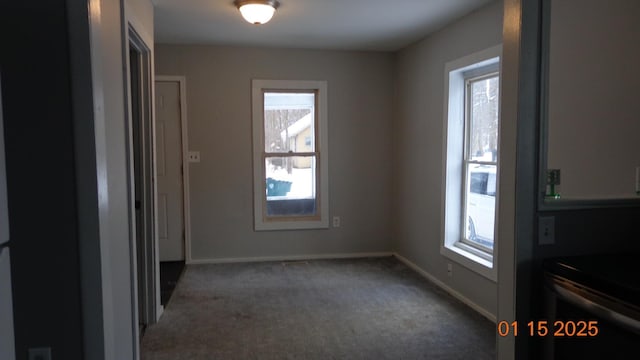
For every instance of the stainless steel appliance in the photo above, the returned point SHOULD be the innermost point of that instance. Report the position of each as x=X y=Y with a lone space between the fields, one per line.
x=600 y=293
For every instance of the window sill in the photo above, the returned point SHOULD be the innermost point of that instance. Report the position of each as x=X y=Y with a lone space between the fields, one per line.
x=291 y=224
x=463 y=255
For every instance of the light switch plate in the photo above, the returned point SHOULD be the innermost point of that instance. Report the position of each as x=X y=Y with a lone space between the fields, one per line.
x=546 y=230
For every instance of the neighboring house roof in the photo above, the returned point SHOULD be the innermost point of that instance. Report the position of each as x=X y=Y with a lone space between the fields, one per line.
x=297 y=127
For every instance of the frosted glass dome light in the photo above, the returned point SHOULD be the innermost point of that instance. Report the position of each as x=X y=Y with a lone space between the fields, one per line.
x=257 y=12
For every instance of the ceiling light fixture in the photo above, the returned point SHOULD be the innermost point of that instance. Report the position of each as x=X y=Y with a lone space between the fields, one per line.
x=257 y=12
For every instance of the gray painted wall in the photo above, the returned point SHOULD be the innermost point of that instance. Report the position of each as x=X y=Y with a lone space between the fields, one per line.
x=593 y=102
x=110 y=142
x=510 y=83
x=111 y=173
x=418 y=148
x=360 y=87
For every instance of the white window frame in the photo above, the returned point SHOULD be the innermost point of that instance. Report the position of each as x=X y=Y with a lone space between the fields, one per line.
x=453 y=246
x=261 y=221
x=470 y=77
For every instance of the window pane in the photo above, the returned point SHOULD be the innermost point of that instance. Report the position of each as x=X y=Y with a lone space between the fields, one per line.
x=480 y=204
x=483 y=119
x=290 y=185
x=289 y=122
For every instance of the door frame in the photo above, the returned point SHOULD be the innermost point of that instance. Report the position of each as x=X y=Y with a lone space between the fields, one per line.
x=8 y=340
x=150 y=276
x=184 y=151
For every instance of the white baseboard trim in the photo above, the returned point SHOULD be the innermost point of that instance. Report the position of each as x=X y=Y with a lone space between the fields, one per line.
x=446 y=288
x=290 y=258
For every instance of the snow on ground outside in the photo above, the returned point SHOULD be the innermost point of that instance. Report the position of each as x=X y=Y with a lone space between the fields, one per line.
x=301 y=179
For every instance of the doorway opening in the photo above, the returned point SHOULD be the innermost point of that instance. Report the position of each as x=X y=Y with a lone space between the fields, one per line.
x=172 y=181
x=140 y=157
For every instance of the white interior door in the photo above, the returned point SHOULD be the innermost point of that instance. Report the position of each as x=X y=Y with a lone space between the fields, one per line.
x=7 y=344
x=169 y=170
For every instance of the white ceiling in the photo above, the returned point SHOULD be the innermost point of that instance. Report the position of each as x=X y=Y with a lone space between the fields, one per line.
x=381 y=25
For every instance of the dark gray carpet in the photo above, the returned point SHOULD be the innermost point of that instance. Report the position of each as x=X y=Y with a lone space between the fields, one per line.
x=328 y=309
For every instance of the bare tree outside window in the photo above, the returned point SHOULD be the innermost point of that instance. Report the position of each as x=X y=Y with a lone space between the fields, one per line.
x=481 y=160
x=484 y=122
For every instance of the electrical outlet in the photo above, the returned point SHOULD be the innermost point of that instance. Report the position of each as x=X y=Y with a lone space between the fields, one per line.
x=449 y=269
x=40 y=353
x=336 y=221
x=546 y=230
x=194 y=156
